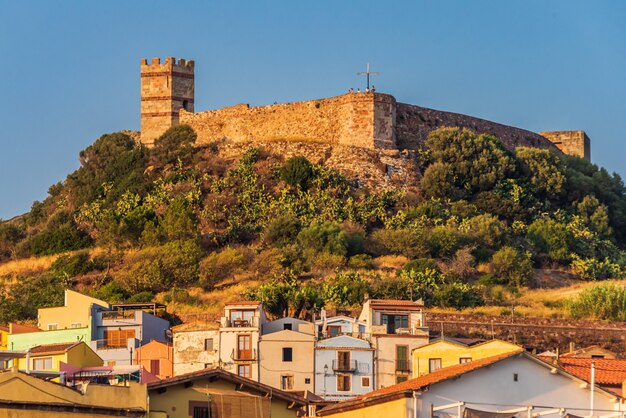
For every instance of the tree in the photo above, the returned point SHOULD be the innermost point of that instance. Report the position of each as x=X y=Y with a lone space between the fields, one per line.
x=512 y=266
x=550 y=237
x=544 y=169
x=175 y=143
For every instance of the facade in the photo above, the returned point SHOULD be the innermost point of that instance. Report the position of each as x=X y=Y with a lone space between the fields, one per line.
x=594 y=351
x=119 y=333
x=157 y=358
x=286 y=354
x=344 y=367
x=196 y=347
x=514 y=382
x=450 y=352
x=27 y=396
x=395 y=328
x=217 y=393
x=75 y=313
x=239 y=336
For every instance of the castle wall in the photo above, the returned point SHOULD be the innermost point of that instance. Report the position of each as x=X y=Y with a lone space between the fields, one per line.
x=414 y=123
x=571 y=142
x=359 y=119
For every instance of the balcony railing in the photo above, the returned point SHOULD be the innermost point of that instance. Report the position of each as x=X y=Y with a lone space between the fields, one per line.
x=239 y=323
x=113 y=315
x=243 y=356
x=361 y=335
x=403 y=365
x=114 y=345
x=344 y=366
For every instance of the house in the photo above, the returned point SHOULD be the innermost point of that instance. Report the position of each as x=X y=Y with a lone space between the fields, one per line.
x=609 y=373
x=344 y=367
x=395 y=328
x=239 y=335
x=286 y=354
x=118 y=332
x=51 y=358
x=196 y=346
x=328 y=327
x=157 y=358
x=593 y=351
x=218 y=393
x=446 y=352
x=514 y=383
x=27 y=396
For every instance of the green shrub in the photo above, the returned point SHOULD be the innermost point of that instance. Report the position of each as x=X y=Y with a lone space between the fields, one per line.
x=456 y=295
x=111 y=292
x=222 y=265
x=142 y=297
x=327 y=237
x=406 y=242
x=76 y=264
x=420 y=265
x=593 y=269
x=297 y=172
x=175 y=143
x=605 y=301
x=65 y=237
x=512 y=266
x=345 y=290
x=360 y=262
x=550 y=237
x=282 y=230
x=444 y=241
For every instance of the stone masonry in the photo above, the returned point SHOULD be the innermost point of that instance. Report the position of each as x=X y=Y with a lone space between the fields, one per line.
x=363 y=120
x=165 y=90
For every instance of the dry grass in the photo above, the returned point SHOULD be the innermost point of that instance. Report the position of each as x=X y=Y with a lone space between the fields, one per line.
x=26 y=266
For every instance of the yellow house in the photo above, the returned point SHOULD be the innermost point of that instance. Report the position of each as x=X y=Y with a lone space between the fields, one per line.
x=76 y=312
x=27 y=396
x=217 y=393
x=448 y=352
x=53 y=357
x=4 y=335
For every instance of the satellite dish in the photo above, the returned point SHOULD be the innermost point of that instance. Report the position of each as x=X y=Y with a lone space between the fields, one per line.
x=168 y=333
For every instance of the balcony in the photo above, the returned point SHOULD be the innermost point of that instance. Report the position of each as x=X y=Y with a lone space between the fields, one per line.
x=345 y=366
x=359 y=335
x=403 y=366
x=242 y=356
x=239 y=323
x=130 y=343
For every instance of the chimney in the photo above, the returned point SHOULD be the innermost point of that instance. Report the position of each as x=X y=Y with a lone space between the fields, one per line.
x=572 y=346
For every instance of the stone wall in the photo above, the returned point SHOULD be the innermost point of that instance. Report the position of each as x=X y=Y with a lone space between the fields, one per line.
x=533 y=333
x=571 y=142
x=359 y=119
x=414 y=123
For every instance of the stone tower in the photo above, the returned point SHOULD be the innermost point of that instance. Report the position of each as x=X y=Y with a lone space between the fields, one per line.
x=165 y=90
x=575 y=143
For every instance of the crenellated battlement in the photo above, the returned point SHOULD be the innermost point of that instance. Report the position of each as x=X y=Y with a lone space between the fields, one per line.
x=169 y=64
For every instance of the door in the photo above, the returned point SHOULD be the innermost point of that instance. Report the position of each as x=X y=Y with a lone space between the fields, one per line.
x=244 y=347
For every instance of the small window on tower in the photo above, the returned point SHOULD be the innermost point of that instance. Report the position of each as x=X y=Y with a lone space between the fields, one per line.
x=185 y=104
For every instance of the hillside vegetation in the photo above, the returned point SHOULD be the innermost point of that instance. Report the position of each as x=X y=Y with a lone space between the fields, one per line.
x=193 y=229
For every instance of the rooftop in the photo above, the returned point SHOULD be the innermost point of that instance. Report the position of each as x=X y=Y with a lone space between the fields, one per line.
x=608 y=371
x=396 y=302
x=54 y=348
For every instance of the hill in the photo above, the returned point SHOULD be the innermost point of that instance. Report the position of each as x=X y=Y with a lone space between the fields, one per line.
x=461 y=222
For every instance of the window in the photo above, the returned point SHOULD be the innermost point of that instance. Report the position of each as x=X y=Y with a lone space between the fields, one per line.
x=597 y=356
x=244 y=348
x=307 y=380
x=111 y=363
x=43 y=363
x=394 y=322
x=52 y=327
x=118 y=338
x=76 y=325
x=200 y=412
x=434 y=364
x=343 y=383
x=343 y=361
x=244 y=370
x=208 y=344
x=155 y=367
x=287 y=354
x=241 y=318
x=333 y=330
x=402 y=358
x=286 y=382
x=464 y=360
x=515 y=377
x=365 y=382
x=208 y=365
x=400 y=379
x=288 y=327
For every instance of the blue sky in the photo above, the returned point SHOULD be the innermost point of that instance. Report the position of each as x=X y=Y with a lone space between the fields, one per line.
x=70 y=69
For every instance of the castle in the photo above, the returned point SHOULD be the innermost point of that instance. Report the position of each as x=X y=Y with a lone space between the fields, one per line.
x=364 y=120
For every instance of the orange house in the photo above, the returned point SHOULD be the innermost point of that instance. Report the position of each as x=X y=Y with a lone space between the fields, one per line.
x=156 y=358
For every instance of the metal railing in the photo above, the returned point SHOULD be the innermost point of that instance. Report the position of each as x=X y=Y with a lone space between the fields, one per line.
x=238 y=355
x=113 y=315
x=403 y=365
x=344 y=366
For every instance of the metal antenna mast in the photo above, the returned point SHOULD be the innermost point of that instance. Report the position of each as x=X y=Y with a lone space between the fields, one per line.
x=368 y=73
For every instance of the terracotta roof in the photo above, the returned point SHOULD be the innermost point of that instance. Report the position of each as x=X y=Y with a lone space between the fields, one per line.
x=53 y=348
x=219 y=373
x=421 y=382
x=608 y=371
x=585 y=350
x=6 y=329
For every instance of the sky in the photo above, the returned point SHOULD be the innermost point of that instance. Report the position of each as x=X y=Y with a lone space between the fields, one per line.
x=70 y=69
